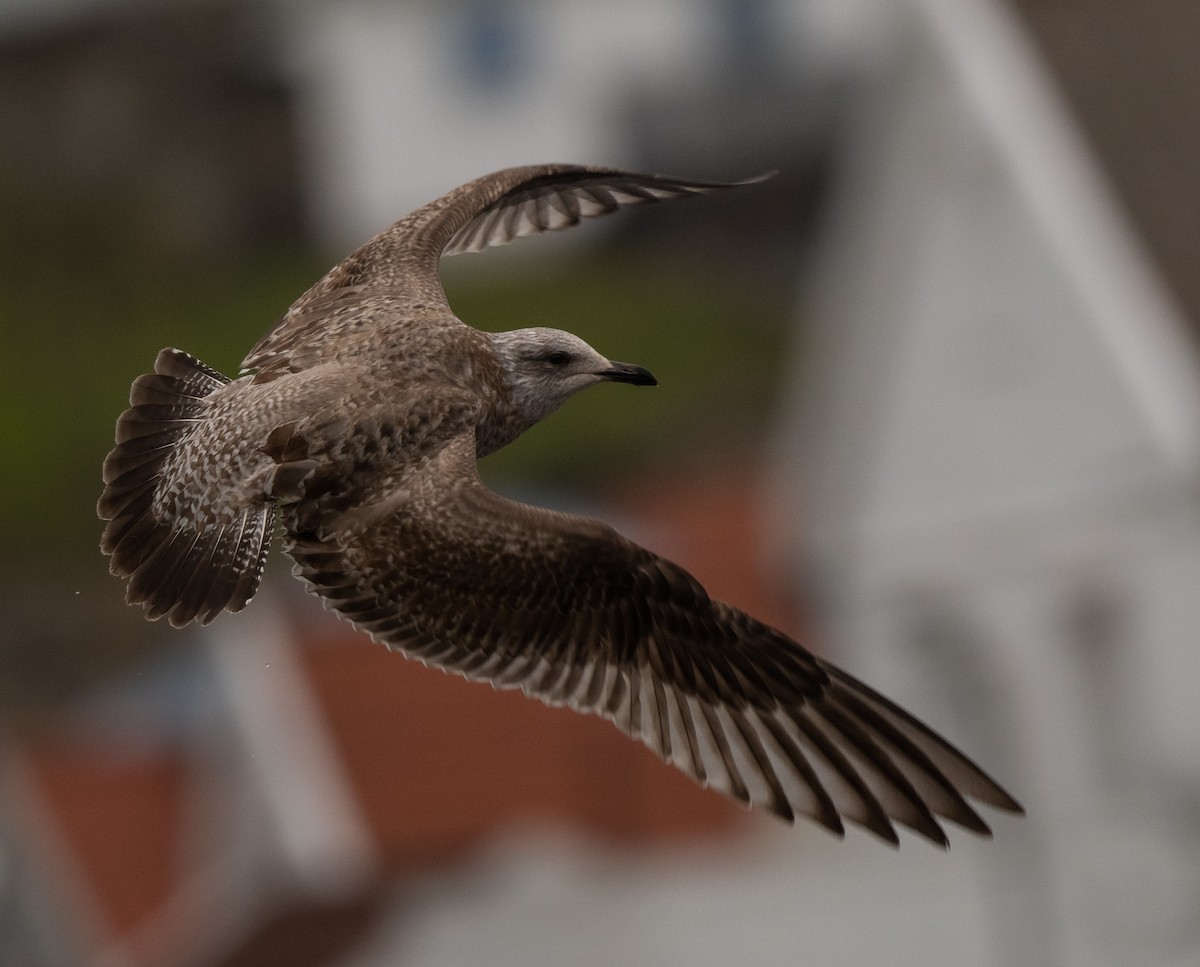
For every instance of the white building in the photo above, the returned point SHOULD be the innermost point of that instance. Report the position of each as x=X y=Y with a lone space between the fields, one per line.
x=997 y=430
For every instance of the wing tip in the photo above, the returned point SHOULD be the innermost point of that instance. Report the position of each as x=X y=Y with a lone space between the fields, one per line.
x=757 y=179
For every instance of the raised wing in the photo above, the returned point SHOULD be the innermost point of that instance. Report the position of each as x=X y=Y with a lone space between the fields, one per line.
x=562 y=197
x=492 y=210
x=455 y=576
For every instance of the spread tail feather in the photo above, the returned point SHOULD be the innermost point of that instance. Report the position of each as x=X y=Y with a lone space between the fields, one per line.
x=186 y=573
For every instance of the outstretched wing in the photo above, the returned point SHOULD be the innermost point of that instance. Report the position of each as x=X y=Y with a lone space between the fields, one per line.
x=489 y=211
x=566 y=609
x=555 y=197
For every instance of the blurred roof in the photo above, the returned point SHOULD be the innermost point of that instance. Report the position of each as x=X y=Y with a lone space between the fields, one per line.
x=1131 y=74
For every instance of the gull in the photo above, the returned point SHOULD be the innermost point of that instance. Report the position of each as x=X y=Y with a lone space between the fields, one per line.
x=357 y=422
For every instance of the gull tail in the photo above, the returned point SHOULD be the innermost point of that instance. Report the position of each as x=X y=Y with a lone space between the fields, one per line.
x=185 y=569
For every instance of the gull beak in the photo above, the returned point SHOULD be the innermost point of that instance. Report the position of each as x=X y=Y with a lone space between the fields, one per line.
x=628 y=373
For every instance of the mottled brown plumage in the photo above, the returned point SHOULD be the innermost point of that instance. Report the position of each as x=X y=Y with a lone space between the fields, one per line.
x=359 y=422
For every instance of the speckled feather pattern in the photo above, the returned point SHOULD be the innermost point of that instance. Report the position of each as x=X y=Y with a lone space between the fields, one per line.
x=359 y=419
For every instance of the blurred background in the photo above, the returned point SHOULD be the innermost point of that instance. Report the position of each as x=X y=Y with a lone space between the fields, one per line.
x=929 y=401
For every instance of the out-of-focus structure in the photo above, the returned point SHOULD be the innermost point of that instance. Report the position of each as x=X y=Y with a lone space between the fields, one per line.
x=983 y=480
x=995 y=425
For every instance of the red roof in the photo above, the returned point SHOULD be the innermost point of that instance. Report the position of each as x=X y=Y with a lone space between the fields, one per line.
x=121 y=816
x=438 y=763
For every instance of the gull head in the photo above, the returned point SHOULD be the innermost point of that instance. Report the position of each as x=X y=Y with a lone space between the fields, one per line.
x=546 y=367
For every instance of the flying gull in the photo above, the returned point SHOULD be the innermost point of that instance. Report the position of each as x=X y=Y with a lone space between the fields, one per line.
x=358 y=420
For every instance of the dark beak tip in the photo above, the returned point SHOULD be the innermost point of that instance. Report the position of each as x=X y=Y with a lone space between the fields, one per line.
x=628 y=373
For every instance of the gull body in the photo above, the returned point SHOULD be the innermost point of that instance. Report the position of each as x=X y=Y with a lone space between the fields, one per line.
x=358 y=421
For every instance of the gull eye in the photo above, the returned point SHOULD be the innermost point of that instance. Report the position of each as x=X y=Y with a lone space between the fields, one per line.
x=558 y=358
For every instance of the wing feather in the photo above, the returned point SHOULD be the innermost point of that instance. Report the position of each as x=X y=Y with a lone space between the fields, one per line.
x=572 y=613
x=403 y=260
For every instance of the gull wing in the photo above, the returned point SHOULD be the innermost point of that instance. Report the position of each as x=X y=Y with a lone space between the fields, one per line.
x=561 y=196
x=451 y=574
x=400 y=265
